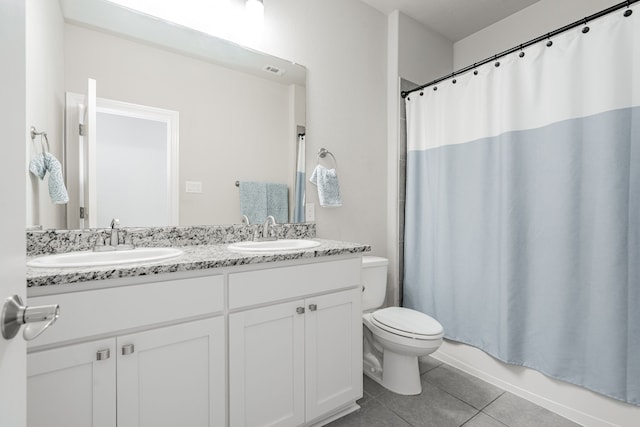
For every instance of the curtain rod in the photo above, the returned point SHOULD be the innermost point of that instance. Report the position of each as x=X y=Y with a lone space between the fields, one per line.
x=582 y=21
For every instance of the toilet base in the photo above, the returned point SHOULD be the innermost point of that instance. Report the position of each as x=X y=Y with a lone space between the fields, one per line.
x=400 y=374
x=392 y=360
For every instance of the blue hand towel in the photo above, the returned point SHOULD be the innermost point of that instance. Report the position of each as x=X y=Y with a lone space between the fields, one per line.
x=253 y=201
x=278 y=202
x=46 y=162
x=328 y=187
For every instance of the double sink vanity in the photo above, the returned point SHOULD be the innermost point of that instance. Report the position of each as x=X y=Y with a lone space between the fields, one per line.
x=197 y=326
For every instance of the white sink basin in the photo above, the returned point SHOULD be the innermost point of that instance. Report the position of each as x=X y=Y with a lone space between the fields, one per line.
x=273 y=246
x=95 y=259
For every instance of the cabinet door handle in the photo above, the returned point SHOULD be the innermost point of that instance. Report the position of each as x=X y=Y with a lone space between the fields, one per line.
x=127 y=349
x=313 y=307
x=300 y=310
x=103 y=354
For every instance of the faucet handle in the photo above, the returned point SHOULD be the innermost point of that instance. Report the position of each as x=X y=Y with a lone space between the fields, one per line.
x=99 y=240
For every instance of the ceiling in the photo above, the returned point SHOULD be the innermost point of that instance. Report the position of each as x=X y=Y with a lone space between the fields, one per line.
x=454 y=19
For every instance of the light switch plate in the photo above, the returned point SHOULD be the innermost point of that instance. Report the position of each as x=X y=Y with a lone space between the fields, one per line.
x=193 y=187
x=310 y=212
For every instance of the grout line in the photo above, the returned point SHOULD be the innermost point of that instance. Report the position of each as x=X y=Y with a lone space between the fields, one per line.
x=381 y=403
x=495 y=419
x=454 y=396
x=498 y=397
x=469 y=420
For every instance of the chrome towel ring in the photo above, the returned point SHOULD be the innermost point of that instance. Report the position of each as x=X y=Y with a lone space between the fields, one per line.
x=323 y=152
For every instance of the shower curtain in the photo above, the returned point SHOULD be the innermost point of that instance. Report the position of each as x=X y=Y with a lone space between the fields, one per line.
x=523 y=207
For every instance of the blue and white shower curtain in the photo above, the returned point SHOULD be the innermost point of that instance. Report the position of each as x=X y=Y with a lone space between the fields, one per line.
x=523 y=207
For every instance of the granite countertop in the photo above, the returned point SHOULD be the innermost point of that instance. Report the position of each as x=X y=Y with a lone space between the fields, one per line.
x=198 y=257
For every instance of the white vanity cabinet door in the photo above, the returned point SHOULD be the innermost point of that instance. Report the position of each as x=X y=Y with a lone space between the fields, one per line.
x=333 y=347
x=70 y=387
x=173 y=376
x=266 y=366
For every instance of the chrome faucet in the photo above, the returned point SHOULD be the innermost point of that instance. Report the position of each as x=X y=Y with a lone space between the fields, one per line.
x=115 y=224
x=268 y=224
x=112 y=241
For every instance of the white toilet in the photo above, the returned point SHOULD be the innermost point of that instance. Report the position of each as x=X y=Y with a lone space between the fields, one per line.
x=394 y=337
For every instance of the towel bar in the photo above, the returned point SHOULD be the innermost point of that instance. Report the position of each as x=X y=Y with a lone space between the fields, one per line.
x=323 y=152
x=43 y=135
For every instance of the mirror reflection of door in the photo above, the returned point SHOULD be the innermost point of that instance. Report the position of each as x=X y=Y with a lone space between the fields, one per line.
x=135 y=167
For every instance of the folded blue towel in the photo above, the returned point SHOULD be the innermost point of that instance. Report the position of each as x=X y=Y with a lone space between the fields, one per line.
x=46 y=162
x=253 y=201
x=258 y=200
x=328 y=187
x=278 y=202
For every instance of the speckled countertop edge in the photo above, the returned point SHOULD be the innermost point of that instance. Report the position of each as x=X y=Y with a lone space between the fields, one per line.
x=200 y=257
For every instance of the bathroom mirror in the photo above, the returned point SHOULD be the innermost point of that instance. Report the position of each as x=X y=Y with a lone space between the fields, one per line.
x=240 y=111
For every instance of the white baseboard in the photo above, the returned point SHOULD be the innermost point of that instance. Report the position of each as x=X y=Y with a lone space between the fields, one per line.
x=575 y=403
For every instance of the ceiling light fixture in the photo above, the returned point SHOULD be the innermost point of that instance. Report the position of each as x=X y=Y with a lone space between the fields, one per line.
x=240 y=21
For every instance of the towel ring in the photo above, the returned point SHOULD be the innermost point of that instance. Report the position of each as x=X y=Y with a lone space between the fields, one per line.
x=43 y=139
x=323 y=152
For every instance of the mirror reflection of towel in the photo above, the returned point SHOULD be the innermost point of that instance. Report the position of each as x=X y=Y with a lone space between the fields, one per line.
x=278 y=202
x=258 y=200
x=46 y=162
x=328 y=187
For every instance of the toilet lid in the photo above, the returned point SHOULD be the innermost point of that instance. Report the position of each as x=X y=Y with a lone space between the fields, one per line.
x=404 y=321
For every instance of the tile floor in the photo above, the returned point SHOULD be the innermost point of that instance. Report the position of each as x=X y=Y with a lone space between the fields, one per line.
x=449 y=398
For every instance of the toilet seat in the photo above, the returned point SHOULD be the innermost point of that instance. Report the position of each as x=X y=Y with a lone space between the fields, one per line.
x=407 y=323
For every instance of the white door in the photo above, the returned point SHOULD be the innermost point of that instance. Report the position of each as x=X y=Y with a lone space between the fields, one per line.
x=13 y=213
x=140 y=142
x=73 y=386
x=266 y=366
x=173 y=376
x=333 y=351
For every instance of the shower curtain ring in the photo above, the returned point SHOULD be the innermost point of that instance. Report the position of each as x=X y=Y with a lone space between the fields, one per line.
x=628 y=12
x=521 y=54
x=585 y=30
x=475 y=70
x=550 y=42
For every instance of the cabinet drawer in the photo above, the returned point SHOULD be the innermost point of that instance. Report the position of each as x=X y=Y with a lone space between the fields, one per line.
x=263 y=286
x=105 y=311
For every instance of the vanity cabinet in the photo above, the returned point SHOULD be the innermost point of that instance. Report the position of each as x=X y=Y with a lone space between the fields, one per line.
x=266 y=366
x=168 y=376
x=277 y=345
x=292 y=363
x=157 y=366
x=172 y=376
x=69 y=386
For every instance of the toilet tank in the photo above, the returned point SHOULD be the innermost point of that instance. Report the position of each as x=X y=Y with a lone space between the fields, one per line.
x=374 y=282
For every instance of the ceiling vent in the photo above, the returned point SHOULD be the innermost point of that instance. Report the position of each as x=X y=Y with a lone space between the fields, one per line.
x=274 y=70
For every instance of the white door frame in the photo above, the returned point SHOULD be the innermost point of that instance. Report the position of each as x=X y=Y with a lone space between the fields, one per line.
x=13 y=175
x=74 y=167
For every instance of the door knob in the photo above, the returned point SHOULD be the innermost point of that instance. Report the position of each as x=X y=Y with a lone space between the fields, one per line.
x=15 y=314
